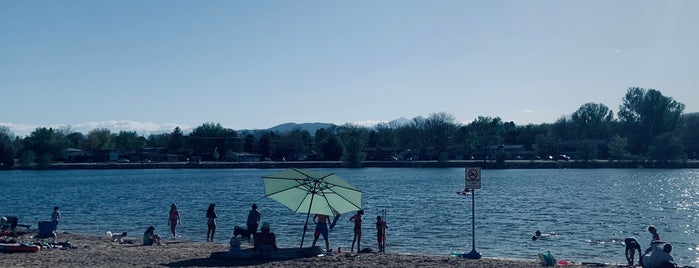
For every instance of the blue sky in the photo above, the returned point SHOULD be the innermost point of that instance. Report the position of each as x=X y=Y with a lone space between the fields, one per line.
x=153 y=65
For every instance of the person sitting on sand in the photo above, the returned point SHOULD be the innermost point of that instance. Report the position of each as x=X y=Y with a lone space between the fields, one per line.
x=265 y=240
x=656 y=237
x=631 y=246
x=150 y=237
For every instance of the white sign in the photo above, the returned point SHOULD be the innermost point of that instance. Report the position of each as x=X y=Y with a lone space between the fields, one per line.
x=473 y=178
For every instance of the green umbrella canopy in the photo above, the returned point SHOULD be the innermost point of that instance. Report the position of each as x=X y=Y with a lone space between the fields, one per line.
x=308 y=191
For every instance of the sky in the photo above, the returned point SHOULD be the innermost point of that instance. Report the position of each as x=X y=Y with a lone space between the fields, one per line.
x=149 y=66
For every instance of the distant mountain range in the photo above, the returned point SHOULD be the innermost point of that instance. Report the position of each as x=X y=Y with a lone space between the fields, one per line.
x=313 y=127
x=310 y=127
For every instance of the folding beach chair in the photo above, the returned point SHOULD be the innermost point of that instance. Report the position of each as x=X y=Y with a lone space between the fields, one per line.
x=46 y=231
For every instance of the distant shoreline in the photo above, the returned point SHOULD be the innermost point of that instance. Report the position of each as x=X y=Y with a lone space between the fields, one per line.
x=512 y=164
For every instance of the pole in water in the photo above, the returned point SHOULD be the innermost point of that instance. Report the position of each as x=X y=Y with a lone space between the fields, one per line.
x=473 y=254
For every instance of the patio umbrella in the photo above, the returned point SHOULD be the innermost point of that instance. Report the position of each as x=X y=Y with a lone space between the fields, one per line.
x=307 y=191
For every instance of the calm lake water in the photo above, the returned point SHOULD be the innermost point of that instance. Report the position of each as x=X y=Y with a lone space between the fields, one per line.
x=584 y=214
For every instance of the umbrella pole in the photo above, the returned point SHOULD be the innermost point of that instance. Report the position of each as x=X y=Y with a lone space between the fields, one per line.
x=305 y=226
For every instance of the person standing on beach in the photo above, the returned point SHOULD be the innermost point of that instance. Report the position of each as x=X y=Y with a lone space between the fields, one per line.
x=321 y=229
x=55 y=216
x=173 y=220
x=357 y=219
x=381 y=233
x=253 y=219
x=211 y=222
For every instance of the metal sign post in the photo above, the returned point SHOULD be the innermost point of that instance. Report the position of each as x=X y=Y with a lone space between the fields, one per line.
x=473 y=181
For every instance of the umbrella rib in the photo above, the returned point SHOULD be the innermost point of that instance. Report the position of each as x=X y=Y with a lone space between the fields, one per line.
x=342 y=197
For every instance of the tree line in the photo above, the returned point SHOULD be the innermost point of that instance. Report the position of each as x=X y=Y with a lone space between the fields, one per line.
x=648 y=126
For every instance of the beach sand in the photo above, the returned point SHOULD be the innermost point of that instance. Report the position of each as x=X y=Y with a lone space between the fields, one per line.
x=99 y=251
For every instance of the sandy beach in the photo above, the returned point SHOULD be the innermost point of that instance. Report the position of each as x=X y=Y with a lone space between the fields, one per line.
x=100 y=251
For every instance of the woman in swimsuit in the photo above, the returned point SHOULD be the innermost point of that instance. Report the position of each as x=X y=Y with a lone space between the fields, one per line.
x=174 y=219
x=357 y=219
x=211 y=222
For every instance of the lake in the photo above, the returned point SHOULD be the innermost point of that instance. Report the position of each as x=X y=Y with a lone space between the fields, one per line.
x=584 y=214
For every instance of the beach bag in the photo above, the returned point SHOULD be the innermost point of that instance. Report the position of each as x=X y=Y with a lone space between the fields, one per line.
x=547 y=259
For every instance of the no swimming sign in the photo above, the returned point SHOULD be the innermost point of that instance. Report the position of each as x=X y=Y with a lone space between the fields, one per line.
x=473 y=178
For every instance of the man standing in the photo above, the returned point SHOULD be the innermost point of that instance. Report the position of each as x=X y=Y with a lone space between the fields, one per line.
x=253 y=219
x=321 y=229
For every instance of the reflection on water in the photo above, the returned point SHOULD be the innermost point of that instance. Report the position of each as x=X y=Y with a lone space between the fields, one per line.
x=584 y=214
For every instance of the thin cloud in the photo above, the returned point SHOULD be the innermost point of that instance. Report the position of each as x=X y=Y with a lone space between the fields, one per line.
x=369 y=123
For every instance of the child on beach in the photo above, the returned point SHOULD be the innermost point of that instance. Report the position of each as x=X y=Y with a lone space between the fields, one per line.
x=55 y=216
x=381 y=233
x=357 y=219
x=656 y=237
x=654 y=232
x=211 y=222
x=173 y=220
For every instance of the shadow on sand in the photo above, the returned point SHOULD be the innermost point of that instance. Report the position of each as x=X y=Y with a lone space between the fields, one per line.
x=247 y=258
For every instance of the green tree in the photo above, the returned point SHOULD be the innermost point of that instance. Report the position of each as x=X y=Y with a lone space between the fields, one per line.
x=486 y=132
x=586 y=151
x=264 y=145
x=47 y=144
x=76 y=140
x=511 y=133
x=440 y=128
x=593 y=121
x=666 y=147
x=100 y=139
x=617 y=148
x=690 y=134
x=645 y=114
x=159 y=140
x=7 y=149
x=249 y=144
x=527 y=134
x=209 y=136
x=321 y=134
x=331 y=148
x=546 y=142
x=176 y=143
x=27 y=158
x=294 y=142
x=564 y=129
x=415 y=135
x=354 y=139
x=128 y=141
